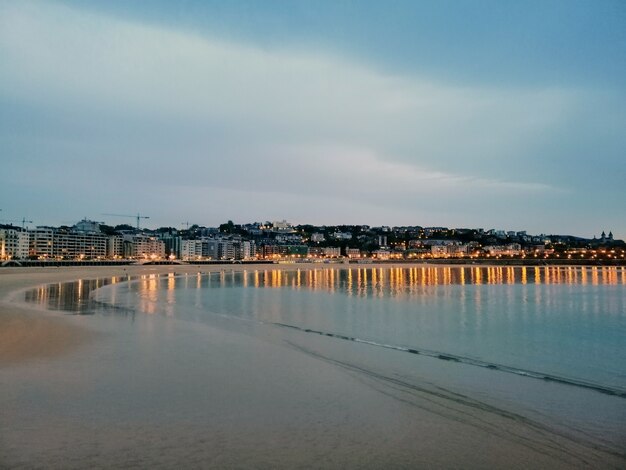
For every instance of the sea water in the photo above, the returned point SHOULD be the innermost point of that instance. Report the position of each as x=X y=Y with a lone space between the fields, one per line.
x=566 y=324
x=534 y=357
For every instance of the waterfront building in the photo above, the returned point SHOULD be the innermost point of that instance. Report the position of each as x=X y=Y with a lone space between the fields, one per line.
x=115 y=247
x=210 y=248
x=226 y=249
x=439 y=251
x=52 y=243
x=353 y=253
x=316 y=251
x=14 y=243
x=512 y=249
x=191 y=250
x=381 y=254
x=248 y=249
x=140 y=246
x=284 y=251
x=332 y=252
x=173 y=244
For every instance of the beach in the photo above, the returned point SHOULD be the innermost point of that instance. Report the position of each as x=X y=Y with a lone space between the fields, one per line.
x=115 y=391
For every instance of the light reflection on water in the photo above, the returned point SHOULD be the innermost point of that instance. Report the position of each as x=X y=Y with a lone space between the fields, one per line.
x=558 y=324
x=395 y=282
x=73 y=297
x=561 y=320
x=398 y=281
x=566 y=321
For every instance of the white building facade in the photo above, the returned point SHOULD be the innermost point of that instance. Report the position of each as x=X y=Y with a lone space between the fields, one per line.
x=14 y=243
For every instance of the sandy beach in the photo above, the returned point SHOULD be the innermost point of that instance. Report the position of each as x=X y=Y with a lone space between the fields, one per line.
x=91 y=392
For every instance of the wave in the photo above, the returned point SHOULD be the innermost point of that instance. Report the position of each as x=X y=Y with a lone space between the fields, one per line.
x=444 y=356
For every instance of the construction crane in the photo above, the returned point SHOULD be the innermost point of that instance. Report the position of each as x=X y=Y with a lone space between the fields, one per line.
x=138 y=217
x=23 y=221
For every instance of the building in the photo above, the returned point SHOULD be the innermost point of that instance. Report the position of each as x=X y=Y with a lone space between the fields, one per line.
x=342 y=236
x=115 y=247
x=289 y=238
x=512 y=249
x=381 y=254
x=87 y=226
x=226 y=249
x=173 y=244
x=282 y=226
x=248 y=250
x=331 y=252
x=353 y=253
x=52 y=243
x=284 y=251
x=191 y=250
x=14 y=243
x=140 y=246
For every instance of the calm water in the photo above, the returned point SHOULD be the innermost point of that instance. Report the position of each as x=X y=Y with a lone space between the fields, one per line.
x=563 y=323
x=532 y=360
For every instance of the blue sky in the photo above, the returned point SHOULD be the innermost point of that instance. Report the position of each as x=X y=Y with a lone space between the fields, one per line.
x=491 y=114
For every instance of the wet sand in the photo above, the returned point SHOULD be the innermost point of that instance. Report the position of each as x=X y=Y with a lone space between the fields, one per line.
x=107 y=392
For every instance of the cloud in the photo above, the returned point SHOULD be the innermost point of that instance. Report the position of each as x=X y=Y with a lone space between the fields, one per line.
x=66 y=58
x=106 y=98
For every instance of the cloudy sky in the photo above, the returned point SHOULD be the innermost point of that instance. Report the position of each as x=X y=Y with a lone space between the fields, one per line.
x=493 y=114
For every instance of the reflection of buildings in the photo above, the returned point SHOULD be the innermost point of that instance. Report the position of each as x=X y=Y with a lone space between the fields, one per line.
x=411 y=281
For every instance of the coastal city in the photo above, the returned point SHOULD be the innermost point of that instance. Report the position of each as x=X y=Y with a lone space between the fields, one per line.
x=283 y=242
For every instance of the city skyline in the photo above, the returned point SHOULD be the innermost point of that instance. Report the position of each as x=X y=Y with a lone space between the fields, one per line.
x=141 y=222
x=456 y=114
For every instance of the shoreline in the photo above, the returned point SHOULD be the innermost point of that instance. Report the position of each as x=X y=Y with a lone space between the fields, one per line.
x=28 y=331
x=14 y=264
x=424 y=425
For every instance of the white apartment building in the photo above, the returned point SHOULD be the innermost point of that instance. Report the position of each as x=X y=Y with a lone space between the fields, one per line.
x=115 y=247
x=52 y=243
x=191 y=250
x=507 y=250
x=142 y=246
x=281 y=226
x=14 y=243
x=248 y=250
x=342 y=236
x=331 y=252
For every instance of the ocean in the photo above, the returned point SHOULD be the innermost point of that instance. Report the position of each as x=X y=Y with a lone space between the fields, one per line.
x=541 y=347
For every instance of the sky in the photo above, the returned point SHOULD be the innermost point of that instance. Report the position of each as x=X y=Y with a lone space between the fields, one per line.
x=491 y=114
